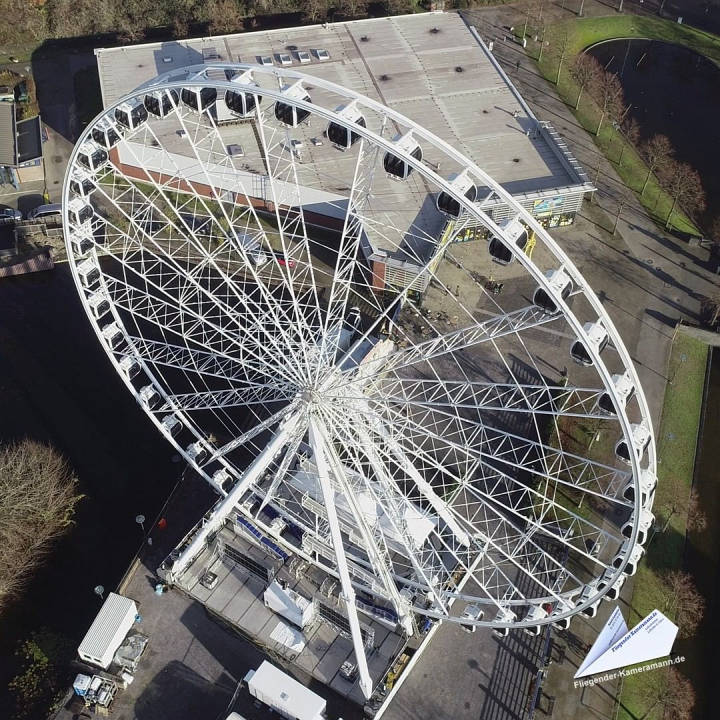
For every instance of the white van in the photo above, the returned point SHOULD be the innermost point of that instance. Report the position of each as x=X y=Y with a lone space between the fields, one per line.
x=53 y=211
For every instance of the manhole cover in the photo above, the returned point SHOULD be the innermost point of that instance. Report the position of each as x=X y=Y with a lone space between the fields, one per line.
x=649 y=261
x=57 y=158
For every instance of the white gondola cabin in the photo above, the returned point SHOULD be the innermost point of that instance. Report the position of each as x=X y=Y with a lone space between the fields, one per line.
x=80 y=183
x=129 y=366
x=81 y=241
x=504 y=616
x=161 y=103
x=644 y=524
x=472 y=613
x=92 y=156
x=640 y=438
x=99 y=304
x=131 y=114
x=80 y=213
x=515 y=234
x=615 y=587
x=198 y=98
x=395 y=166
x=343 y=137
x=633 y=555
x=597 y=339
x=647 y=483
x=112 y=334
x=88 y=272
x=587 y=592
x=536 y=614
x=220 y=477
x=241 y=102
x=447 y=204
x=171 y=425
x=196 y=452
x=286 y=112
x=149 y=396
x=624 y=391
x=560 y=285
x=106 y=133
x=562 y=607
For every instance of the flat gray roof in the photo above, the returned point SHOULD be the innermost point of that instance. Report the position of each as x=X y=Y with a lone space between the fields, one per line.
x=409 y=63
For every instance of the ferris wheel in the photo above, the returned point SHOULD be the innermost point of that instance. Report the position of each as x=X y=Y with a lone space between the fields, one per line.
x=399 y=363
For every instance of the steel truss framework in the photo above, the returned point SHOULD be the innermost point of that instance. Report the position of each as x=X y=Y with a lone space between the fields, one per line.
x=419 y=450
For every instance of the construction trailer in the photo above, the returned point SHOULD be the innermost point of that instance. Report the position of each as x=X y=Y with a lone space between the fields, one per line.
x=284 y=694
x=108 y=630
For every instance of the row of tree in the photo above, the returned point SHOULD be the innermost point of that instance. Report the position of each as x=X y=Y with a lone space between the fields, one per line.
x=679 y=179
x=35 y=20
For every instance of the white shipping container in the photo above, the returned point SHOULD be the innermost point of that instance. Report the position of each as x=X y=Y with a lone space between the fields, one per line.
x=108 y=630
x=284 y=694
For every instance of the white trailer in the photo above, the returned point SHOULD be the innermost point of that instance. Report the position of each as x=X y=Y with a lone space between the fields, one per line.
x=284 y=694
x=106 y=634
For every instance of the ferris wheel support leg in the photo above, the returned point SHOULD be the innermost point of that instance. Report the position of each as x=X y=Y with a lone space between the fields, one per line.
x=348 y=593
x=225 y=507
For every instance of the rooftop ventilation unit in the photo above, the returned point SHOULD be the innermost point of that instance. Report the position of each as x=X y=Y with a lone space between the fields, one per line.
x=395 y=166
x=105 y=133
x=560 y=285
x=516 y=234
x=241 y=102
x=447 y=204
x=131 y=114
x=321 y=54
x=639 y=438
x=597 y=338
x=264 y=60
x=303 y=56
x=161 y=102
x=284 y=58
x=91 y=156
x=286 y=112
x=339 y=135
x=172 y=425
x=624 y=390
x=472 y=612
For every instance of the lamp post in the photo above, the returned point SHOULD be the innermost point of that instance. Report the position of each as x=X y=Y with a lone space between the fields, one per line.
x=140 y=520
x=100 y=590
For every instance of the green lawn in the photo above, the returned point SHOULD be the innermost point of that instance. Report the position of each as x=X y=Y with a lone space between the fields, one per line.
x=581 y=34
x=676 y=441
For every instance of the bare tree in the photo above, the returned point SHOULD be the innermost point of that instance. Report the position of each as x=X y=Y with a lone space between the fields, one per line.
x=657 y=151
x=675 y=695
x=225 y=17
x=631 y=135
x=316 y=9
x=352 y=8
x=38 y=495
x=561 y=46
x=533 y=10
x=684 y=185
x=585 y=70
x=682 y=601
x=696 y=517
x=608 y=93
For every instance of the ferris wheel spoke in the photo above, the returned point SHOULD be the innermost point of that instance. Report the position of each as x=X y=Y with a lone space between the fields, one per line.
x=188 y=235
x=489 y=444
x=523 y=319
x=218 y=399
x=482 y=396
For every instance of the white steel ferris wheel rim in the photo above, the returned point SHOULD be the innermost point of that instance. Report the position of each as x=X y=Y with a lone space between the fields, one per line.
x=439 y=182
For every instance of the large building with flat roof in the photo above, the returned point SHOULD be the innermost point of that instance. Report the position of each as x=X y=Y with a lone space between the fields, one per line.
x=432 y=67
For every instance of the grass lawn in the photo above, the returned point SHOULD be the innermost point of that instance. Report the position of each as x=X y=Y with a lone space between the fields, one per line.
x=676 y=440
x=581 y=33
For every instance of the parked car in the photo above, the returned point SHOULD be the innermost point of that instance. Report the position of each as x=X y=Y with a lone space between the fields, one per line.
x=52 y=211
x=9 y=215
